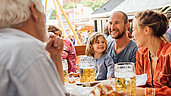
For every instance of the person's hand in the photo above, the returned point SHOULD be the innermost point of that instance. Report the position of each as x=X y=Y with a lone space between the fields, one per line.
x=115 y=93
x=55 y=45
x=140 y=91
x=109 y=78
x=73 y=74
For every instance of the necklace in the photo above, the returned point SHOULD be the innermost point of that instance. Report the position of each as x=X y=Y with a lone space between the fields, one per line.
x=151 y=55
x=154 y=52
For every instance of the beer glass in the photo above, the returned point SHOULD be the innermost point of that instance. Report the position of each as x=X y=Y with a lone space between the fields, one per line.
x=125 y=78
x=65 y=68
x=86 y=69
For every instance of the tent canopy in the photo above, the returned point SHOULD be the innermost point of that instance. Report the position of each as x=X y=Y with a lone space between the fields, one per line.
x=138 y=5
x=108 y=6
x=129 y=6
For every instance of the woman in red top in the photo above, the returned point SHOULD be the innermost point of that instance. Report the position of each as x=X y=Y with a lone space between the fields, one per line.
x=154 y=54
x=68 y=51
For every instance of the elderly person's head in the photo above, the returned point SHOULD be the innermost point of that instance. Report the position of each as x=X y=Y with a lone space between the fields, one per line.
x=25 y=15
x=55 y=30
x=16 y=12
x=148 y=25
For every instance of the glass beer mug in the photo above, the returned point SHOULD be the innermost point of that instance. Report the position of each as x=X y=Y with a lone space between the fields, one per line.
x=86 y=69
x=65 y=68
x=125 y=78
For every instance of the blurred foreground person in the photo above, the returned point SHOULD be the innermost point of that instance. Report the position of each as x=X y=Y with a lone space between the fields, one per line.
x=154 y=54
x=68 y=52
x=25 y=67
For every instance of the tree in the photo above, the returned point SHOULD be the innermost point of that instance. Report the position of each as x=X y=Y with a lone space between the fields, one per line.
x=68 y=5
x=87 y=3
x=53 y=15
x=93 y=4
x=98 y=4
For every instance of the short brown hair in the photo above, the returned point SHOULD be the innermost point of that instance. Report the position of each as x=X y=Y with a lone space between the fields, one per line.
x=91 y=40
x=125 y=17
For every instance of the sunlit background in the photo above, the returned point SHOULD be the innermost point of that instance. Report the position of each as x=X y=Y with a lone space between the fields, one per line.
x=92 y=15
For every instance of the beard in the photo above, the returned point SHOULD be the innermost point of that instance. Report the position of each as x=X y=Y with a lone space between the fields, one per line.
x=120 y=34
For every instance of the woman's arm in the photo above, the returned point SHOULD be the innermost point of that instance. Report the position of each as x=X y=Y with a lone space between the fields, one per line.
x=163 y=91
x=71 y=56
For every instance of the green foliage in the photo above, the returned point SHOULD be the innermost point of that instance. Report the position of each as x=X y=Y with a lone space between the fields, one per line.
x=98 y=4
x=53 y=15
x=93 y=4
x=68 y=5
x=87 y=3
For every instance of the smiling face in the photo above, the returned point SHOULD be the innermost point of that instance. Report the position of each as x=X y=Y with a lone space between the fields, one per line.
x=139 y=34
x=99 y=46
x=116 y=25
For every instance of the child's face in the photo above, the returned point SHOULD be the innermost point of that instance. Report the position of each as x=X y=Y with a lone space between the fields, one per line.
x=99 y=46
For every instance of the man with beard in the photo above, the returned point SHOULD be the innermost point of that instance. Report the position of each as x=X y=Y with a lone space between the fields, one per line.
x=121 y=49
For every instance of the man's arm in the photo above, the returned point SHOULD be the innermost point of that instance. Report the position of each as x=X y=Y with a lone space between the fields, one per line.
x=57 y=59
x=55 y=47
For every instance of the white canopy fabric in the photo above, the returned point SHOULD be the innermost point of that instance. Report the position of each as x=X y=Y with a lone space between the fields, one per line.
x=138 y=5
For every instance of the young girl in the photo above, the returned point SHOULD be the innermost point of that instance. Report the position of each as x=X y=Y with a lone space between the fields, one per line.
x=97 y=47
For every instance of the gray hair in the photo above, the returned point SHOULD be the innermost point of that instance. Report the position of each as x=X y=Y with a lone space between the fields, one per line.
x=16 y=12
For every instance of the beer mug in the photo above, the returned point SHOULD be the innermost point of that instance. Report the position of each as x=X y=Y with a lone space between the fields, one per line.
x=125 y=78
x=65 y=68
x=86 y=69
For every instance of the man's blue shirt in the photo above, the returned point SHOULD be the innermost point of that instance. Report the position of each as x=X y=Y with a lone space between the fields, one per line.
x=128 y=54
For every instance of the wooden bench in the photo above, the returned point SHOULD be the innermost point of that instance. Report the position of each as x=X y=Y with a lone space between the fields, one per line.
x=80 y=49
